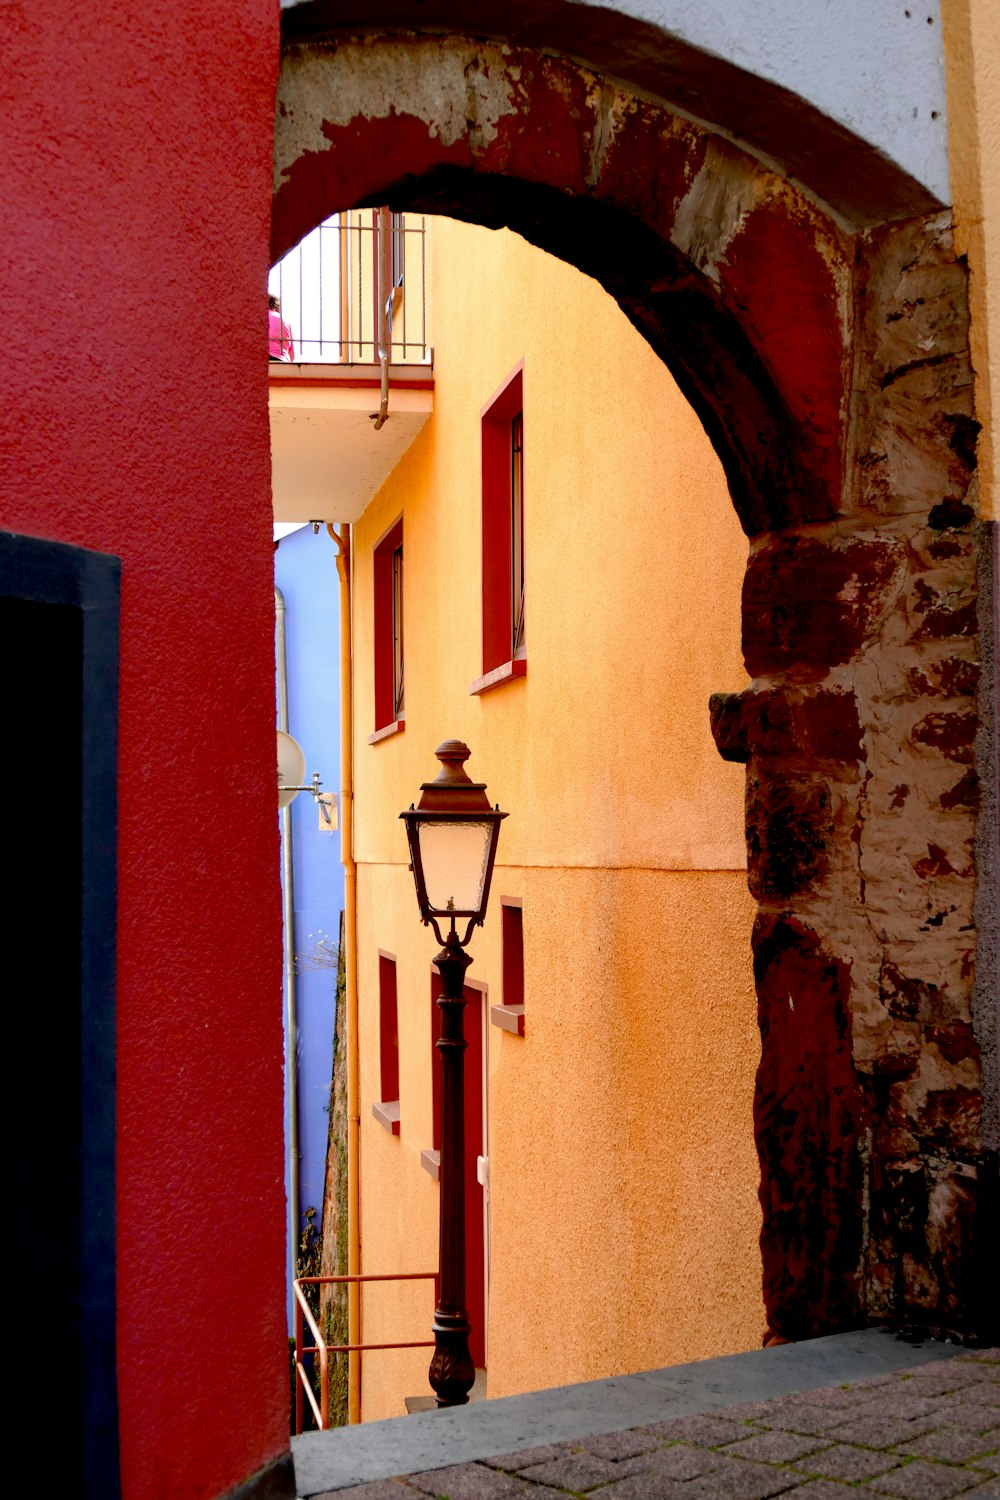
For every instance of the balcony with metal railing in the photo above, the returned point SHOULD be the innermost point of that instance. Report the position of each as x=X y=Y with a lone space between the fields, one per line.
x=350 y=365
x=327 y=288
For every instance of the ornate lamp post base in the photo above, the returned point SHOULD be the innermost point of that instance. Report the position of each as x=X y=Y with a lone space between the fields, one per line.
x=452 y=1374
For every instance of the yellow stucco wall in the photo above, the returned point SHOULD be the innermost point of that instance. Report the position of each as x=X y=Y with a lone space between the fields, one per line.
x=972 y=57
x=624 y=1219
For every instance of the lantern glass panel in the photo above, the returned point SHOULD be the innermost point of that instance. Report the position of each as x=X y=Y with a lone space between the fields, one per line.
x=455 y=857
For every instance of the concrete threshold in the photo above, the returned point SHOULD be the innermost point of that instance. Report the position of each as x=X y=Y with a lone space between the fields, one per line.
x=347 y=1456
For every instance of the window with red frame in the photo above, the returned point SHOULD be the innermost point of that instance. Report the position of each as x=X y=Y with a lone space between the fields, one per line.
x=386 y=1107
x=504 y=622
x=509 y=1014
x=388 y=635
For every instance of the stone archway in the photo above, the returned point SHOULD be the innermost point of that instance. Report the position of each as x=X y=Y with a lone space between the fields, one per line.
x=830 y=369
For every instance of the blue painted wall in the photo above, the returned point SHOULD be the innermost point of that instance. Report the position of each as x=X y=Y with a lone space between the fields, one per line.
x=305 y=571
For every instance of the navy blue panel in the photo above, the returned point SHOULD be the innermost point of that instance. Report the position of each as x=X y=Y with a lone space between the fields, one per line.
x=59 y=669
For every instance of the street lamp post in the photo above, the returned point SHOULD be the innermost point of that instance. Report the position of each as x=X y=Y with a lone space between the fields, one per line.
x=452 y=834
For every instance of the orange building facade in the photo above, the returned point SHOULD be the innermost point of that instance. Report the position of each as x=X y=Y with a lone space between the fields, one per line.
x=613 y=1217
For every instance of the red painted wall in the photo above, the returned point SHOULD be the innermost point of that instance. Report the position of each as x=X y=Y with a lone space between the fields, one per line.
x=135 y=155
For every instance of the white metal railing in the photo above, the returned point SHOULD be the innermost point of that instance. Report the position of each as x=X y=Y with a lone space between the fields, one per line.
x=327 y=290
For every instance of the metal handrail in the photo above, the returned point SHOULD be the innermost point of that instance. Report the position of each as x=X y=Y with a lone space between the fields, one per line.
x=383 y=232
x=303 y=1311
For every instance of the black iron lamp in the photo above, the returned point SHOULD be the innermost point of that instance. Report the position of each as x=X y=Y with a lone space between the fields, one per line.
x=452 y=833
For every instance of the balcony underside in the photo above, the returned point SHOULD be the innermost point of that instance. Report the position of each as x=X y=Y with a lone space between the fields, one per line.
x=327 y=460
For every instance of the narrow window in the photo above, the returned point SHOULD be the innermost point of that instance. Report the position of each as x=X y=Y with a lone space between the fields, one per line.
x=386 y=1108
x=509 y=1014
x=517 y=534
x=387 y=590
x=397 y=631
x=503 y=537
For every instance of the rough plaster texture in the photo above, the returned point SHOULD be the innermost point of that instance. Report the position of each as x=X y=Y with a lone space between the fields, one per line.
x=825 y=63
x=624 y=1180
x=849 y=453
x=135 y=157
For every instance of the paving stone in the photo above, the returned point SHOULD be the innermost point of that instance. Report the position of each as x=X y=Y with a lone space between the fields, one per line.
x=901 y=1404
x=935 y=1380
x=739 y=1479
x=377 y=1489
x=975 y=1415
x=879 y=1432
x=616 y=1446
x=527 y=1491
x=953 y=1446
x=649 y=1487
x=812 y=1420
x=822 y=1489
x=988 y=1491
x=980 y=1394
x=968 y=1419
x=749 y=1411
x=775 y=1447
x=831 y=1395
x=843 y=1462
x=523 y=1458
x=680 y=1462
x=924 y=1481
x=707 y=1431
x=577 y=1471
x=468 y=1482
x=981 y=1373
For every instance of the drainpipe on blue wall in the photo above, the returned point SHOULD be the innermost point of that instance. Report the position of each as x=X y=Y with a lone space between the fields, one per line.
x=288 y=932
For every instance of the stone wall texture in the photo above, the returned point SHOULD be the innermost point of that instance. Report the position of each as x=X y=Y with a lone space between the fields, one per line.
x=862 y=793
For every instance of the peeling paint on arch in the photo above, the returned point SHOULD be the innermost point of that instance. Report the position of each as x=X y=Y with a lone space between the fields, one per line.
x=469 y=91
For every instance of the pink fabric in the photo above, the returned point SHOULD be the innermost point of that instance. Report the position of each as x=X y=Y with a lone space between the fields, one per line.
x=279 y=337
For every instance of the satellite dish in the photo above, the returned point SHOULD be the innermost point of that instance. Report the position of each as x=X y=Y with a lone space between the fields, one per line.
x=291 y=768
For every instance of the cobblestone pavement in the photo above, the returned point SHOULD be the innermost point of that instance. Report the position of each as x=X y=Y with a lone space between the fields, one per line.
x=926 y=1434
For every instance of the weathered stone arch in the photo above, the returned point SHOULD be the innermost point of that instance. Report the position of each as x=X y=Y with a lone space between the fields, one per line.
x=830 y=368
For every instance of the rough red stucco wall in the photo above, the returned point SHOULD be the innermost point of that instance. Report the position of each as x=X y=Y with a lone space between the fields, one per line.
x=136 y=162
